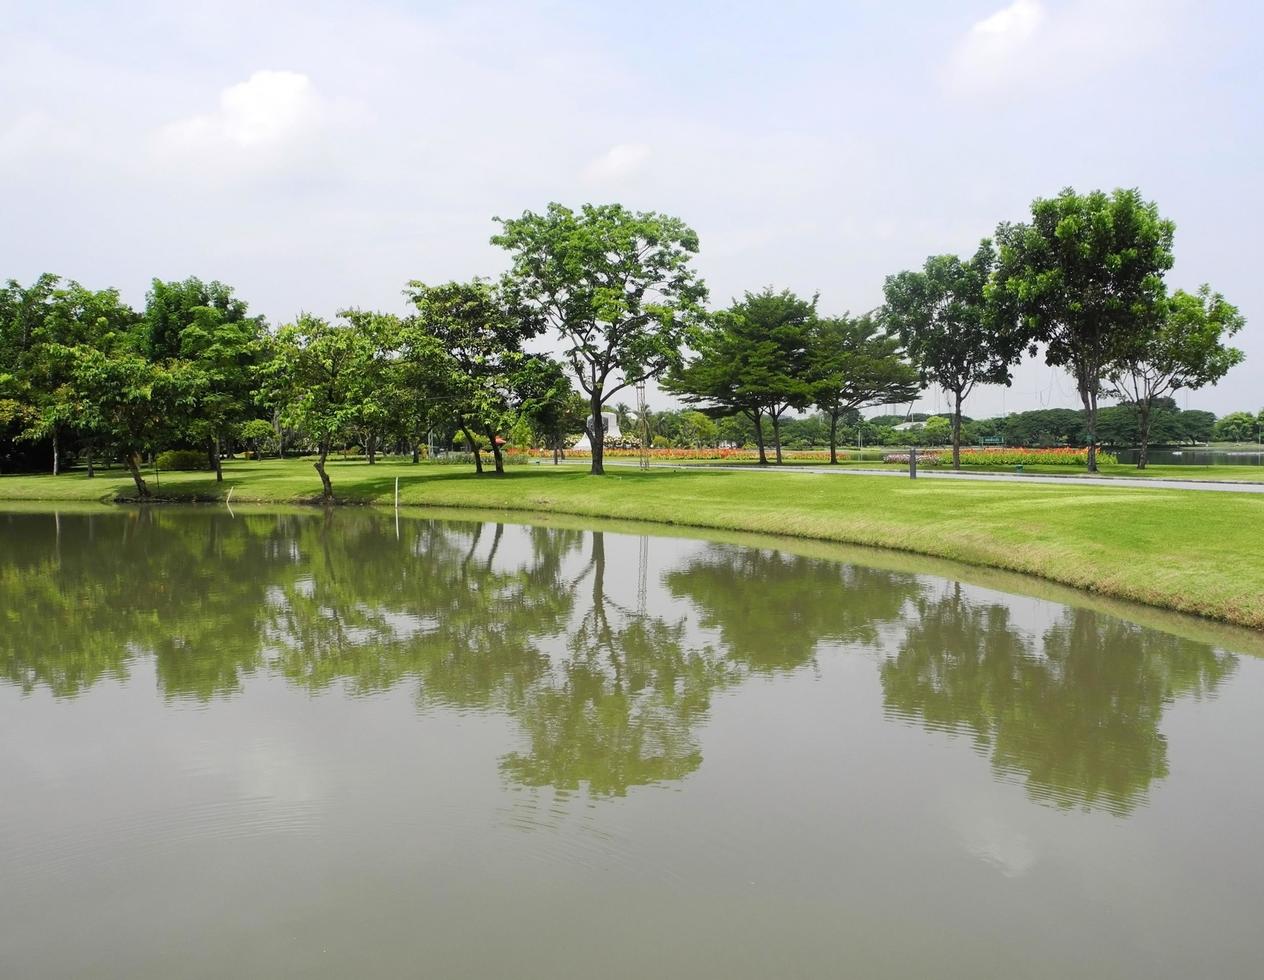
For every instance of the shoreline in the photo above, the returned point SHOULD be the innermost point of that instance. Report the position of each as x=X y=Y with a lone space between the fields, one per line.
x=1192 y=554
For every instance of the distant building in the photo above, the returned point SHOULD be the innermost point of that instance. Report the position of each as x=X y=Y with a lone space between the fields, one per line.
x=610 y=430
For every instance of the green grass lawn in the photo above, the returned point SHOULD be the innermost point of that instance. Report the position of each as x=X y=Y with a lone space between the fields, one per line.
x=1185 y=550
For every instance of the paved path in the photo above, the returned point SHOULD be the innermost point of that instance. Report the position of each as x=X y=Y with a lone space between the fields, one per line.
x=1138 y=483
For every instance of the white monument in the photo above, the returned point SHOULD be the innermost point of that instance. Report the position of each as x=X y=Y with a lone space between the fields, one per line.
x=610 y=427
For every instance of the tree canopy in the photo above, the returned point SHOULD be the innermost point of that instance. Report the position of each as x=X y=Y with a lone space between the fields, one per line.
x=617 y=286
x=945 y=323
x=1084 y=278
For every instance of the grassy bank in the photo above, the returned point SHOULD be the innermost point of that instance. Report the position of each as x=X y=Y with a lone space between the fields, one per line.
x=1193 y=552
x=1123 y=471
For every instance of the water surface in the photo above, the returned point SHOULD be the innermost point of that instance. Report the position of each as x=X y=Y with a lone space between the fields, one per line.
x=345 y=745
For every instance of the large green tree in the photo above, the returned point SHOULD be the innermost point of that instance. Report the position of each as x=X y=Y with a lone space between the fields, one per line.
x=317 y=374
x=226 y=352
x=942 y=317
x=714 y=379
x=131 y=401
x=775 y=328
x=483 y=335
x=618 y=286
x=172 y=307
x=547 y=402
x=40 y=325
x=1183 y=347
x=856 y=364
x=753 y=359
x=1084 y=279
x=1236 y=427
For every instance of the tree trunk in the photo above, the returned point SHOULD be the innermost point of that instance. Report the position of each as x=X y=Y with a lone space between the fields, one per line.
x=327 y=489
x=491 y=554
x=56 y=452
x=91 y=469
x=133 y=466
x=1089 y=398
x=478 y=459
x=956 y=433
x=416 y=452
x=759 y=438
x=371 y=447
x=219 y=470
x=833 y=438
x=776 y=434
x=497 y=456
x=597 y=438
x=1143 y=426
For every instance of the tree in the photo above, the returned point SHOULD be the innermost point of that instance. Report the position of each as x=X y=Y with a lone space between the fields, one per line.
x=943 y=320
x=752 y=359
x=172 y=307
x=552 y=407
x=939 y=430
x=226 y=351
x=483 y=337
x=130 y=400
x=698 y=429
x=1236 y=427
x=1184 y=347
x=39 y=327
x=1195 y=426
x=380 y=403
x=715 y=380
x=318 y=375
x=774 y=330
x=856 y=364
x=1085 y=279
x=257 y=433
x=616 y=285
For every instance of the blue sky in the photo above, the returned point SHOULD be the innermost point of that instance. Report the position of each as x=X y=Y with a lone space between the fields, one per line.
x=319 y=155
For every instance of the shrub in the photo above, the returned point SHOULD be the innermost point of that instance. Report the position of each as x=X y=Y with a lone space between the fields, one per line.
x=183 y=459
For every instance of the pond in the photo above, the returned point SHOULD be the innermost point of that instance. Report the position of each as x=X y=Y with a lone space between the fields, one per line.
x=265 y=744
x=1194 y=456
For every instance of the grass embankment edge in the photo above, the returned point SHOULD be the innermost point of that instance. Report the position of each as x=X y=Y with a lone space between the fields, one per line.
x=1180 y=550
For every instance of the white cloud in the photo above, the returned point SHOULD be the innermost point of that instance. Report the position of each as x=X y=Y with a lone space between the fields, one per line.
x=261 y=120
x=617 y=164
x=1015 y=23
x=1029 y=45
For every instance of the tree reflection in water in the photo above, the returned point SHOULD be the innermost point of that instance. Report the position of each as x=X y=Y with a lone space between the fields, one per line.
x=1075 y=712
x=607 y=693
x=621 y=707
x=772 y=609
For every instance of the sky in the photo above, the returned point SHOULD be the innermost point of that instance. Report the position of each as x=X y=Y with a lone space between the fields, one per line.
x=319 y=155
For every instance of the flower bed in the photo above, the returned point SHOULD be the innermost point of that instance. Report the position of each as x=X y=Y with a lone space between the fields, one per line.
x=928 y=458
x=699 y=454
x=1058 y=456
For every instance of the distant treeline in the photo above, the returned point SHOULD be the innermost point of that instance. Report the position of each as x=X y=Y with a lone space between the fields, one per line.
x=1117 y=428
x=85 y=377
